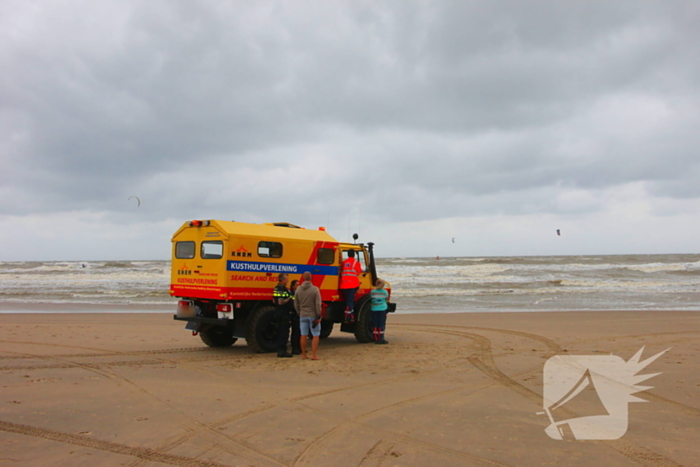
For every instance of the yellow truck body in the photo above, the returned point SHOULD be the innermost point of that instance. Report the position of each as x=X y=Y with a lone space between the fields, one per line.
x=234 y=266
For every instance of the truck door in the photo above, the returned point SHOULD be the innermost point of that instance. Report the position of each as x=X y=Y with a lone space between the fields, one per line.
x=365 y=277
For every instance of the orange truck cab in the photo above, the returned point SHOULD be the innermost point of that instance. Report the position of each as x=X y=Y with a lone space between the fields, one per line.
x=224 y=273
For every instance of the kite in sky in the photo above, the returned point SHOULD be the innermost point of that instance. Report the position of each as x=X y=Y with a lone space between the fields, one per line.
x=138 y=201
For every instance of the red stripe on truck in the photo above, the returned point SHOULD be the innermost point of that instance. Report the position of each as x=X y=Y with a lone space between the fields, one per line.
x=237 y=293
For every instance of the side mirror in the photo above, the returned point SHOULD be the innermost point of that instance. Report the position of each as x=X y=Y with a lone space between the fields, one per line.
x=355 y=237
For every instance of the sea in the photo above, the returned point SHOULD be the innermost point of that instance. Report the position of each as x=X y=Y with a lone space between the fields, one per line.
x=419 y=285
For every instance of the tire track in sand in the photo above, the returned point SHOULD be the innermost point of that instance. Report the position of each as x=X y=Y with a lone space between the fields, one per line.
x=106 y=353
x=145 y=454
x=306 y=457
x=230 y=444
x=172 y=443
x=484 y=346
x=483 y=360
x=376 y=454
x=198 y=428
x=183 y=438
x=557 y=349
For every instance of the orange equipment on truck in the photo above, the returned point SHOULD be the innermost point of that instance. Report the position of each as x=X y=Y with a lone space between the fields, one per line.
x=224 y=273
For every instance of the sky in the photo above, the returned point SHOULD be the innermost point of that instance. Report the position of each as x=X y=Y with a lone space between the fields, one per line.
x=412 y=123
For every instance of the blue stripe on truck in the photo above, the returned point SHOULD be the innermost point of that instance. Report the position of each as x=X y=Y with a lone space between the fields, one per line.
x=249 y=266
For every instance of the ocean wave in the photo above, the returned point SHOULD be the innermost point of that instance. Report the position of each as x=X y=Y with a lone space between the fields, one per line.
x=629 y=285
x=19 y=266
x=33 y=268
x=501 y=283
x=686 y=272
x=116 y=264
x=658 y=267
x=477 y=291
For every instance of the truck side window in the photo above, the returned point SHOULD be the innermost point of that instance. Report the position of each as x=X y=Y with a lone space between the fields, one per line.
x=359 y=256
x=270 y=249
x=184 y=250
x=325 y=256
x=212 y=250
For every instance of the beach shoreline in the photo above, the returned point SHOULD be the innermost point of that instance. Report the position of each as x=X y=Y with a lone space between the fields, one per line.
x=450 y=388
x=81 y=308
x=141 y=308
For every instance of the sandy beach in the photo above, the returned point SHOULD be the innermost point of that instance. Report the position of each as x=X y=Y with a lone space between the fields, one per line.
x=450 y=390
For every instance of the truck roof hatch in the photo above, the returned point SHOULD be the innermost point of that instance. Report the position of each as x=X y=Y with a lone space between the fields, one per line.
x=284 y=224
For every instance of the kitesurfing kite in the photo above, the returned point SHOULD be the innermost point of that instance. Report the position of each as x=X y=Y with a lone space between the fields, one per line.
x=138 y=201
x=559 y=232
x=453 y=239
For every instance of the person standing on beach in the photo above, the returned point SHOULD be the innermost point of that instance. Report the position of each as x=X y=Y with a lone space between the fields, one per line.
x=379 y=309
x=282 y=299
x=307 y=301
x=294 y=319
x=349 y=283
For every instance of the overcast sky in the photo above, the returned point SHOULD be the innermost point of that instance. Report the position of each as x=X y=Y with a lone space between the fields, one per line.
x=493 y=122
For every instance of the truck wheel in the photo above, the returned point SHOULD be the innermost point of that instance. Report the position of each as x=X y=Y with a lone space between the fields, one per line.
x=217 y=336
x=363 y=326
x=261 y=334
x=326 y=328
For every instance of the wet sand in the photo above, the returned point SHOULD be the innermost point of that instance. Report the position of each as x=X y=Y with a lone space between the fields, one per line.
x=449 y=390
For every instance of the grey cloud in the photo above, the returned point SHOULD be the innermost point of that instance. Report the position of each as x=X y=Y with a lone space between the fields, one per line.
x=431 y=110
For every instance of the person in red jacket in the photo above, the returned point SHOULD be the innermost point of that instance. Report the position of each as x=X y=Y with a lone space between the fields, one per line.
x=349 y=283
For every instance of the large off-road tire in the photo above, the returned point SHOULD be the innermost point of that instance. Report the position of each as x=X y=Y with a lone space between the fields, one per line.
x=326 y=328
x=363 y=326
x=217 y=336
x=261 y=333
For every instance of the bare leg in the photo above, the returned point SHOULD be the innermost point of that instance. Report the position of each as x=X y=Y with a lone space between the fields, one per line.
x=314 y=347
x=302 y=344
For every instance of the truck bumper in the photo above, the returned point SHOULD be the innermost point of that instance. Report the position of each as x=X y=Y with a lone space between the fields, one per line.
x=194 y=323
x=200 y=319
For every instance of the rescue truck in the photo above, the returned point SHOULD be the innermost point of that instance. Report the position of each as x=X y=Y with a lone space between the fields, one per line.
x=224 y=272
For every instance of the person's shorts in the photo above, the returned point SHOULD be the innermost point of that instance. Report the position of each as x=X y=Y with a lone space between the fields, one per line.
x=306 y=324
